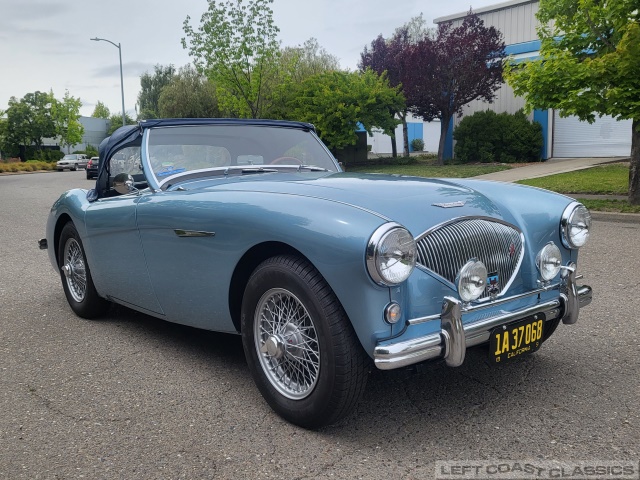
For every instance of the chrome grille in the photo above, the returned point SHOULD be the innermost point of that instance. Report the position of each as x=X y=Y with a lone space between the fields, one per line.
x=447 y=248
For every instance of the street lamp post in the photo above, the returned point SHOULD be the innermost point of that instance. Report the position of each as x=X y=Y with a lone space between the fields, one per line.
x=121 y=82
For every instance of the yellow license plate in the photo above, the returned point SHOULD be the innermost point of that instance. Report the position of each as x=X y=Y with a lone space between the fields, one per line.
x=510 y=341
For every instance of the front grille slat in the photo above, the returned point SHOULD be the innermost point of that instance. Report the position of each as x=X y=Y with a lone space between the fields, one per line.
x=447 y=248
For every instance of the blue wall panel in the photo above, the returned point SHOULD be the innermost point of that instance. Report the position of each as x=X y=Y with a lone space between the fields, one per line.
x=542 y=117
x=414 y=130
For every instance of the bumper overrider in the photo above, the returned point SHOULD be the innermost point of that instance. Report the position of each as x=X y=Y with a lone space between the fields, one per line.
x=455 y=337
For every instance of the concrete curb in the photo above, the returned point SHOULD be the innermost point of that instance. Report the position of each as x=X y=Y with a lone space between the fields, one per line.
x=25 y=173
x=615 y=217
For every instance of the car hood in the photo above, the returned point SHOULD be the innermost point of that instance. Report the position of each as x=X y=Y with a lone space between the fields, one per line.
x=417 y=203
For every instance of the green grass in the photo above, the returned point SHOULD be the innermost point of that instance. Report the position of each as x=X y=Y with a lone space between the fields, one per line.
x=606 y=180
x=621 y=206
x=428 y=169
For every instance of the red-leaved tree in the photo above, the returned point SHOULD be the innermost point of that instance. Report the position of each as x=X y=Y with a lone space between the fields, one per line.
x=386 y=56
x=459 y=65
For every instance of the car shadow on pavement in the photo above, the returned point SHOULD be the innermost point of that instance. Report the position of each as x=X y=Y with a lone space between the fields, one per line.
x=212 y=345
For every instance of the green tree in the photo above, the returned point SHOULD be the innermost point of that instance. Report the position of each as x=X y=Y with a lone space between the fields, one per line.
x=3 y=135
x=29 y=121
x=352 y=98
x=151 y=86
x=235 y=46
x=101 y=111
x=293 y=66
x=66 y=114
x=589 y=64
x=189 y=95
x=115 y=122
x=301 y=62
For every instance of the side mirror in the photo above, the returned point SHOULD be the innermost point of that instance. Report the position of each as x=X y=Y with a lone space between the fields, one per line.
x=123 y=184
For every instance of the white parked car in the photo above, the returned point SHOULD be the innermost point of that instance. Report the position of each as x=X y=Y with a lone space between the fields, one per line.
x=72 y=161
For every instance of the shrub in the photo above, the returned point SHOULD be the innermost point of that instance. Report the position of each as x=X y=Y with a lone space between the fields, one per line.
x=417 y=145
x=91 y=151
x=491 y=137
x=28 y=166
x=45 y=154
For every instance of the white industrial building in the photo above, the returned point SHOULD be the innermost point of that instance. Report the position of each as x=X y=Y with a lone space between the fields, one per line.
x=95 y=130
x=564 y=137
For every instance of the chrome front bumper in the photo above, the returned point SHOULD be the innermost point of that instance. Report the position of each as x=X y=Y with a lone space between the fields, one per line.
x=455 y=337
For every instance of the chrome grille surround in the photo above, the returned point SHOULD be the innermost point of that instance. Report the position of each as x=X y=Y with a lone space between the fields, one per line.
x=445 y=248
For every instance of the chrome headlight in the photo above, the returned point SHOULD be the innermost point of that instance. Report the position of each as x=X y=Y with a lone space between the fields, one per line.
x=575 y=225
x=548 y=261
x=391 y=254
x=472 y=280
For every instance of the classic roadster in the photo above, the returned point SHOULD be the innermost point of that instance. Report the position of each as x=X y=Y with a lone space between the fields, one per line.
x=252 y=227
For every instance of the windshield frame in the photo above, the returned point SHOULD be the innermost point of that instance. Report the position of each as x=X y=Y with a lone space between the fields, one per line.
x=162 y=183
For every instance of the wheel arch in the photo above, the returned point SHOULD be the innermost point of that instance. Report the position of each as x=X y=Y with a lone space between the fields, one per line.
x=245 y=267
x=63 y=219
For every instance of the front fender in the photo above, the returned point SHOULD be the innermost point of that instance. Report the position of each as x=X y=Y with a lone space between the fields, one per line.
x=71 y=205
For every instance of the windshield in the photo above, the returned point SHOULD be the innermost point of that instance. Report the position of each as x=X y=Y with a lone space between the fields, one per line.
x=70 y=157
x=189 y=149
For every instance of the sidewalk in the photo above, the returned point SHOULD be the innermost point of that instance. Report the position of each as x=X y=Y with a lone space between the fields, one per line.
x=563 y=165
x=550 y=167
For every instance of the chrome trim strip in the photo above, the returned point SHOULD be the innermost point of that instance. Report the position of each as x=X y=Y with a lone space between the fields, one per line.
x=472 y=308
x=192 y=233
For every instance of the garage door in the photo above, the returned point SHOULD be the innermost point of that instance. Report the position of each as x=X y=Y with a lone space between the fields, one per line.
x=606 y=137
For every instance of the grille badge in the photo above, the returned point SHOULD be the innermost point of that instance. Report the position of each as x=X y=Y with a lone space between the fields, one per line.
x=449 y=204
x=493 y=287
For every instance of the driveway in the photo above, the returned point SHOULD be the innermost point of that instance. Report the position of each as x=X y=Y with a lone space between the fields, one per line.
x=549 y=167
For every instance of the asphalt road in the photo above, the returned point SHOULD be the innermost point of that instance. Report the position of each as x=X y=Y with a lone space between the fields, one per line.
x=131 y=397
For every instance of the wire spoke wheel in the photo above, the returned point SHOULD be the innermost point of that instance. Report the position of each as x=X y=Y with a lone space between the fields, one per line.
x=76 y=276
x=74 y=269
x=300 y=346
x=287 y=344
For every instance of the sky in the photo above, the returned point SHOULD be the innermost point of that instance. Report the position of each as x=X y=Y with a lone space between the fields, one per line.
x=44 y=44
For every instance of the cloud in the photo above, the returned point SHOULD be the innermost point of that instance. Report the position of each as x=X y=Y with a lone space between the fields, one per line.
x=18 y=10
x=129 y=69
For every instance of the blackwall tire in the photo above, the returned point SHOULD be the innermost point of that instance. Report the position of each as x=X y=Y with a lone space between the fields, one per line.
x=300 y=346
x=76 y=276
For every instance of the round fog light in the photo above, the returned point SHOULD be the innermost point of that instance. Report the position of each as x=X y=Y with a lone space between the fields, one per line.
x=548 y=261
x=392 y=313
x=472 y=280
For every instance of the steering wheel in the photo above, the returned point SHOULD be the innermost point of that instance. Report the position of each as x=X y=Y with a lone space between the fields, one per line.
x=286 y=161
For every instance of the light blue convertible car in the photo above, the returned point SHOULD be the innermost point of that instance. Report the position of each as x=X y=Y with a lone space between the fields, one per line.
x=251 y=227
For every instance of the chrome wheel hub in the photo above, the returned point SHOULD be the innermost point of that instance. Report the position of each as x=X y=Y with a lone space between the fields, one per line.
x=287 y=344
x=74 y=270
x=274 y=347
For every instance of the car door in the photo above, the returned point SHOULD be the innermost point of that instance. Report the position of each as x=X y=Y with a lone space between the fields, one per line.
x=189 y=263
x=117 y=259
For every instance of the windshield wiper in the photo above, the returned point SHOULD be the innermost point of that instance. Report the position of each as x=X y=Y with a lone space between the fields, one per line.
x=249 y=169
x=312 y=168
